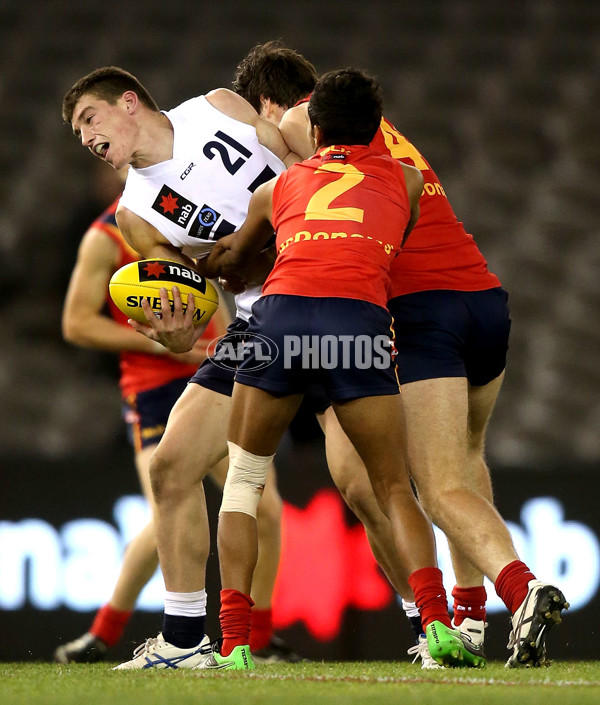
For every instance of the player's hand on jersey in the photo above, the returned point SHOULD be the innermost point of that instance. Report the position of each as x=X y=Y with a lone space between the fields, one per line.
x=174 y=328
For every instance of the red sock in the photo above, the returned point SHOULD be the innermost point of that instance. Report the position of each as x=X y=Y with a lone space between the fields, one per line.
x=511 y=584
x=430 y=596
x=262 y=629
x=469 y=602
x=235 y=618
x=109 y=624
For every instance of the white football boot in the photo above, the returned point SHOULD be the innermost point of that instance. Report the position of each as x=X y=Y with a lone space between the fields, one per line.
x=158 y=653
x=472 y=630
x=421 y=651
x=539 y=611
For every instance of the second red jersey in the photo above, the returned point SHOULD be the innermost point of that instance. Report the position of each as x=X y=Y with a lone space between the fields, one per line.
x=439 y=253
x=340 y=217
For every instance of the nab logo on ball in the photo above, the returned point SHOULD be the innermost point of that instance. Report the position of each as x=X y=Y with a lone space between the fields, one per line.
x=174 y=207
x=158 y=270
x=143 y=280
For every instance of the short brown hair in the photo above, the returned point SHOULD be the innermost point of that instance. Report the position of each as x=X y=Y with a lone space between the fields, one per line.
x=107 y=83
x=273 y=71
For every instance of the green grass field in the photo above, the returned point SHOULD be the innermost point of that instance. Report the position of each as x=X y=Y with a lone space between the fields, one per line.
x=301 y=684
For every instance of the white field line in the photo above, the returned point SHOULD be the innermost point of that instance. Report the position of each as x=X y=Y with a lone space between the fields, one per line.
x=406 y=679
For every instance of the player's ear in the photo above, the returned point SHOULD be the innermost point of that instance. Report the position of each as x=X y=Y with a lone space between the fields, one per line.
x=317 y=136
x=264 y=106
x=131 y=101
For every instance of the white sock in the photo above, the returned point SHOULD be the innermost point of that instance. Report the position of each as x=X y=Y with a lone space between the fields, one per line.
x=410 y=608
x=186 y=604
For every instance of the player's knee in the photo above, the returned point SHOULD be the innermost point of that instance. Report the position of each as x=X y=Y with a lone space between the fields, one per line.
x=246 y=478
x=436 y=504
x=163 y=479
x=351 y=478
x=359 y=496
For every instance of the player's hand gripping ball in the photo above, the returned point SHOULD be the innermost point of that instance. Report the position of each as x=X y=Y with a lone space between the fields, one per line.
x=144 y=279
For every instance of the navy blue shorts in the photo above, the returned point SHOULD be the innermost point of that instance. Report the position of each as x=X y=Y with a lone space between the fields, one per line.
x=451 y=334
x=217 y=372
x=341 y=345
x=146 y=413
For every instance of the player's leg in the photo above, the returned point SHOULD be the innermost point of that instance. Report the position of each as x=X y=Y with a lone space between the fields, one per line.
x=265 y=646
x=263 y=642
x=436 y=417
x=146 y=415
x=375 y=427
x=268 y=520
x=194 y=441
x=469 y=593
x=437 y=410
x=140 y=559
x=350 y=477
x=268 y=524
x=446 y=420
x=258 y=420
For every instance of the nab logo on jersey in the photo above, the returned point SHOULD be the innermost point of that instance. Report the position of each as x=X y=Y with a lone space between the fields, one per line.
x=174 y=207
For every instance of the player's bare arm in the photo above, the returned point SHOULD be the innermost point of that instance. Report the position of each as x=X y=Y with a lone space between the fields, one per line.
x=231 y=254
x=147 y=240
x=295 y=130
x=414 y=186
x=84 y=322
x=238 y=108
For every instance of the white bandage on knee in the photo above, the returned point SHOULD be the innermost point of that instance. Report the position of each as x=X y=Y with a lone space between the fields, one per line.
x=245 y=481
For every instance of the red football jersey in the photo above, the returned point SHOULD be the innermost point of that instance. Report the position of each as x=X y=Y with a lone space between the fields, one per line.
x=339 y=217
x=141 y=371
x=439 y=253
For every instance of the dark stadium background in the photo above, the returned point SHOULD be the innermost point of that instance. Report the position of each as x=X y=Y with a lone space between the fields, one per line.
x=502 y=99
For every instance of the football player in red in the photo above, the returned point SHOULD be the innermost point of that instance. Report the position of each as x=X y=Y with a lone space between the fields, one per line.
x=452 y=325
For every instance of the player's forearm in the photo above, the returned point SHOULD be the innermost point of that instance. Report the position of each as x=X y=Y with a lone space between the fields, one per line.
x=221 y=261
x=102 y=333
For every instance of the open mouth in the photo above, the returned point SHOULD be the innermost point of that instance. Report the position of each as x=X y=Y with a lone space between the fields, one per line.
x=101 y=149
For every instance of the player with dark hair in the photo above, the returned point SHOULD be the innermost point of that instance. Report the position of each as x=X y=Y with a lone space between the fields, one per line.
x=452 y=327
x=272 y=78
x=349 y=119
x=340 y=218
x=193 y=171
x=107 y=83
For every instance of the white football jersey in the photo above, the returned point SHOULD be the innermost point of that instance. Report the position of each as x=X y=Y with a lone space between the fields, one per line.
x=202 y=193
